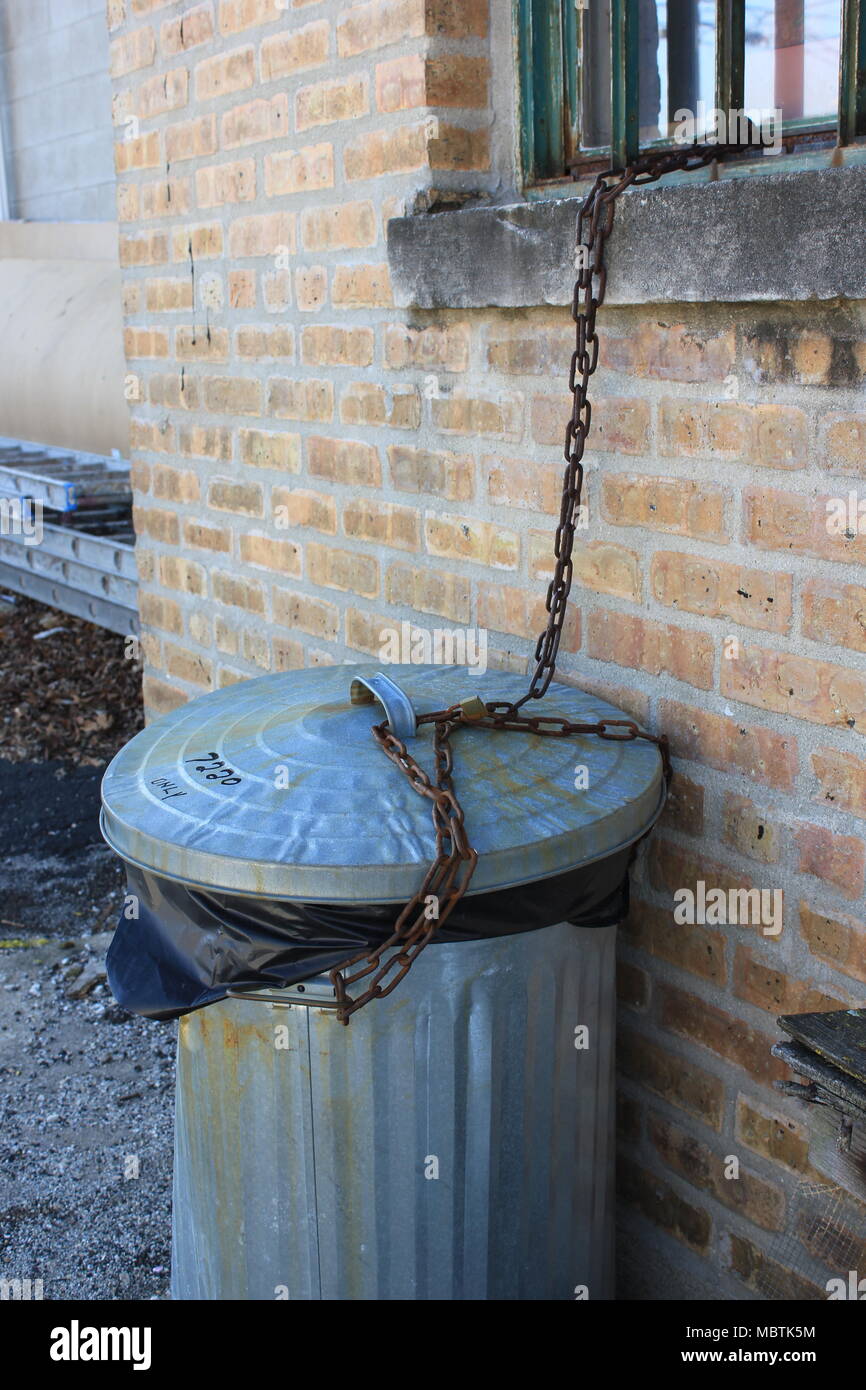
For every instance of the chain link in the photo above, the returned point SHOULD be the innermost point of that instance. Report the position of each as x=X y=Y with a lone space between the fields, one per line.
x=451 y=871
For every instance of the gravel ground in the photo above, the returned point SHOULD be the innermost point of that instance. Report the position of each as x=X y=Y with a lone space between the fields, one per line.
x=86 y=1090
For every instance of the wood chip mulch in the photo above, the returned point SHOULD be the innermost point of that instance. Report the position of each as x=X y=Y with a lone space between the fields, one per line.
x=67 y=690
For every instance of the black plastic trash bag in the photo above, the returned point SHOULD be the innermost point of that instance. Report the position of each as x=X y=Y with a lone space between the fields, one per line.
x=188 y=946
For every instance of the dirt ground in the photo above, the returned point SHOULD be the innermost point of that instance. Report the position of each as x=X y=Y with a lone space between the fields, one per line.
x=86 y=1090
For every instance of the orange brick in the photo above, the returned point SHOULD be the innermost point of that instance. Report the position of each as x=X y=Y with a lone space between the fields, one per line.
x=190 y=139
x=362 y=287
x=178 y=391
x=752 y=1197
x=504 y=608
x=202 y=441
x=263 y=234
x=501 y=417
x=262 y=119
x=697 y=949
x=270 y=553
x=658 y=648
x=453 y=147
x=367 y=27
x=303 y=507
x=203 y=537
x=201 y=345
x=145 y=342
x=299 y=171
x=750 y=830
x=325 y=103
x=443 y=347
x=237 y=15
x=729 y=746
x=277 y=290
x=164 y=613
x=236 y=592
x=300 y=400
x=193 y=27
x=140 y=153
x=175 y=484
x=838 y=860
x=331 y=568
x=728 y=1037
x=263 y=449
x=261 y=343
x=202 y=242
x=176 y=572
x=311 y=288
x=165 y=198
x=681 y=1083
x=238 y=395
x=670 y=352
x=166 y=92
x=145 y=248
x=162 y=295
x=842 y=780
x=482 y=542
x=343 y=227
x=677 y=505
x=322 y=345
x=224 y=495
x=776 y=1137
x=769 y=988
x=218 y=184
x=775 y=436
x=242 y=289
x=366 y=403
x=844 y=444
x=297 y=51
x=401 y=83
x=431 y=473
x=384 y=523
x=715 y=589
x=300 y=612
x=381 y=152
x=224 y=73
x=835 y=613
x=429 y=591
x=188 y=666
x=518 y=482
x=457 y=80
x=796 y=685
x=793 y=522
x=619 y=424
x=527 y=347
x=364 y=28
x=132 y=51
x=605 y=567
x=840 y=941
x=343 y=461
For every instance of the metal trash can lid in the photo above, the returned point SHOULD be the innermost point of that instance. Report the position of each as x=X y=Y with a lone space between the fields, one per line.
x=275 y=787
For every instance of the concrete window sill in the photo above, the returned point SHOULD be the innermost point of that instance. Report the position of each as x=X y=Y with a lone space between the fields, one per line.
x=788 y=236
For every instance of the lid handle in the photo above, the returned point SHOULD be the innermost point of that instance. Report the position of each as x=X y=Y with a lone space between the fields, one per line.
x=399 y=710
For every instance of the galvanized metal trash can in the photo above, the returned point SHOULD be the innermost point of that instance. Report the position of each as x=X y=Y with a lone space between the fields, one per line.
x=455 y=1141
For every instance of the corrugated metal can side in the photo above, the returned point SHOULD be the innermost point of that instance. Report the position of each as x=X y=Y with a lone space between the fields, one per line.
x=454 y=1142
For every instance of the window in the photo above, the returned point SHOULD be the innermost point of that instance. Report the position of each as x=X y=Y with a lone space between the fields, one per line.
x=601 y=80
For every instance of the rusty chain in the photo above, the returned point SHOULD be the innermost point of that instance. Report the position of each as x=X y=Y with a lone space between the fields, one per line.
x=451 y=871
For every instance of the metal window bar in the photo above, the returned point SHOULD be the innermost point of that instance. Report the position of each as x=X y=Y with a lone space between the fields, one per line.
x=852 y=72
x=552 y=32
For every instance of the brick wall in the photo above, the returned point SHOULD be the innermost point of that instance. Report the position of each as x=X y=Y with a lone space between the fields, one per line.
x=312 y=464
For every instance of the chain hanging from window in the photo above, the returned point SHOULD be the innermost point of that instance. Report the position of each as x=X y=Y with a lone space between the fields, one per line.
x=451 y=870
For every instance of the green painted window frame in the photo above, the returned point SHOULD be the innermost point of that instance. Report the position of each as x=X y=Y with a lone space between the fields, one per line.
x=548 y=47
